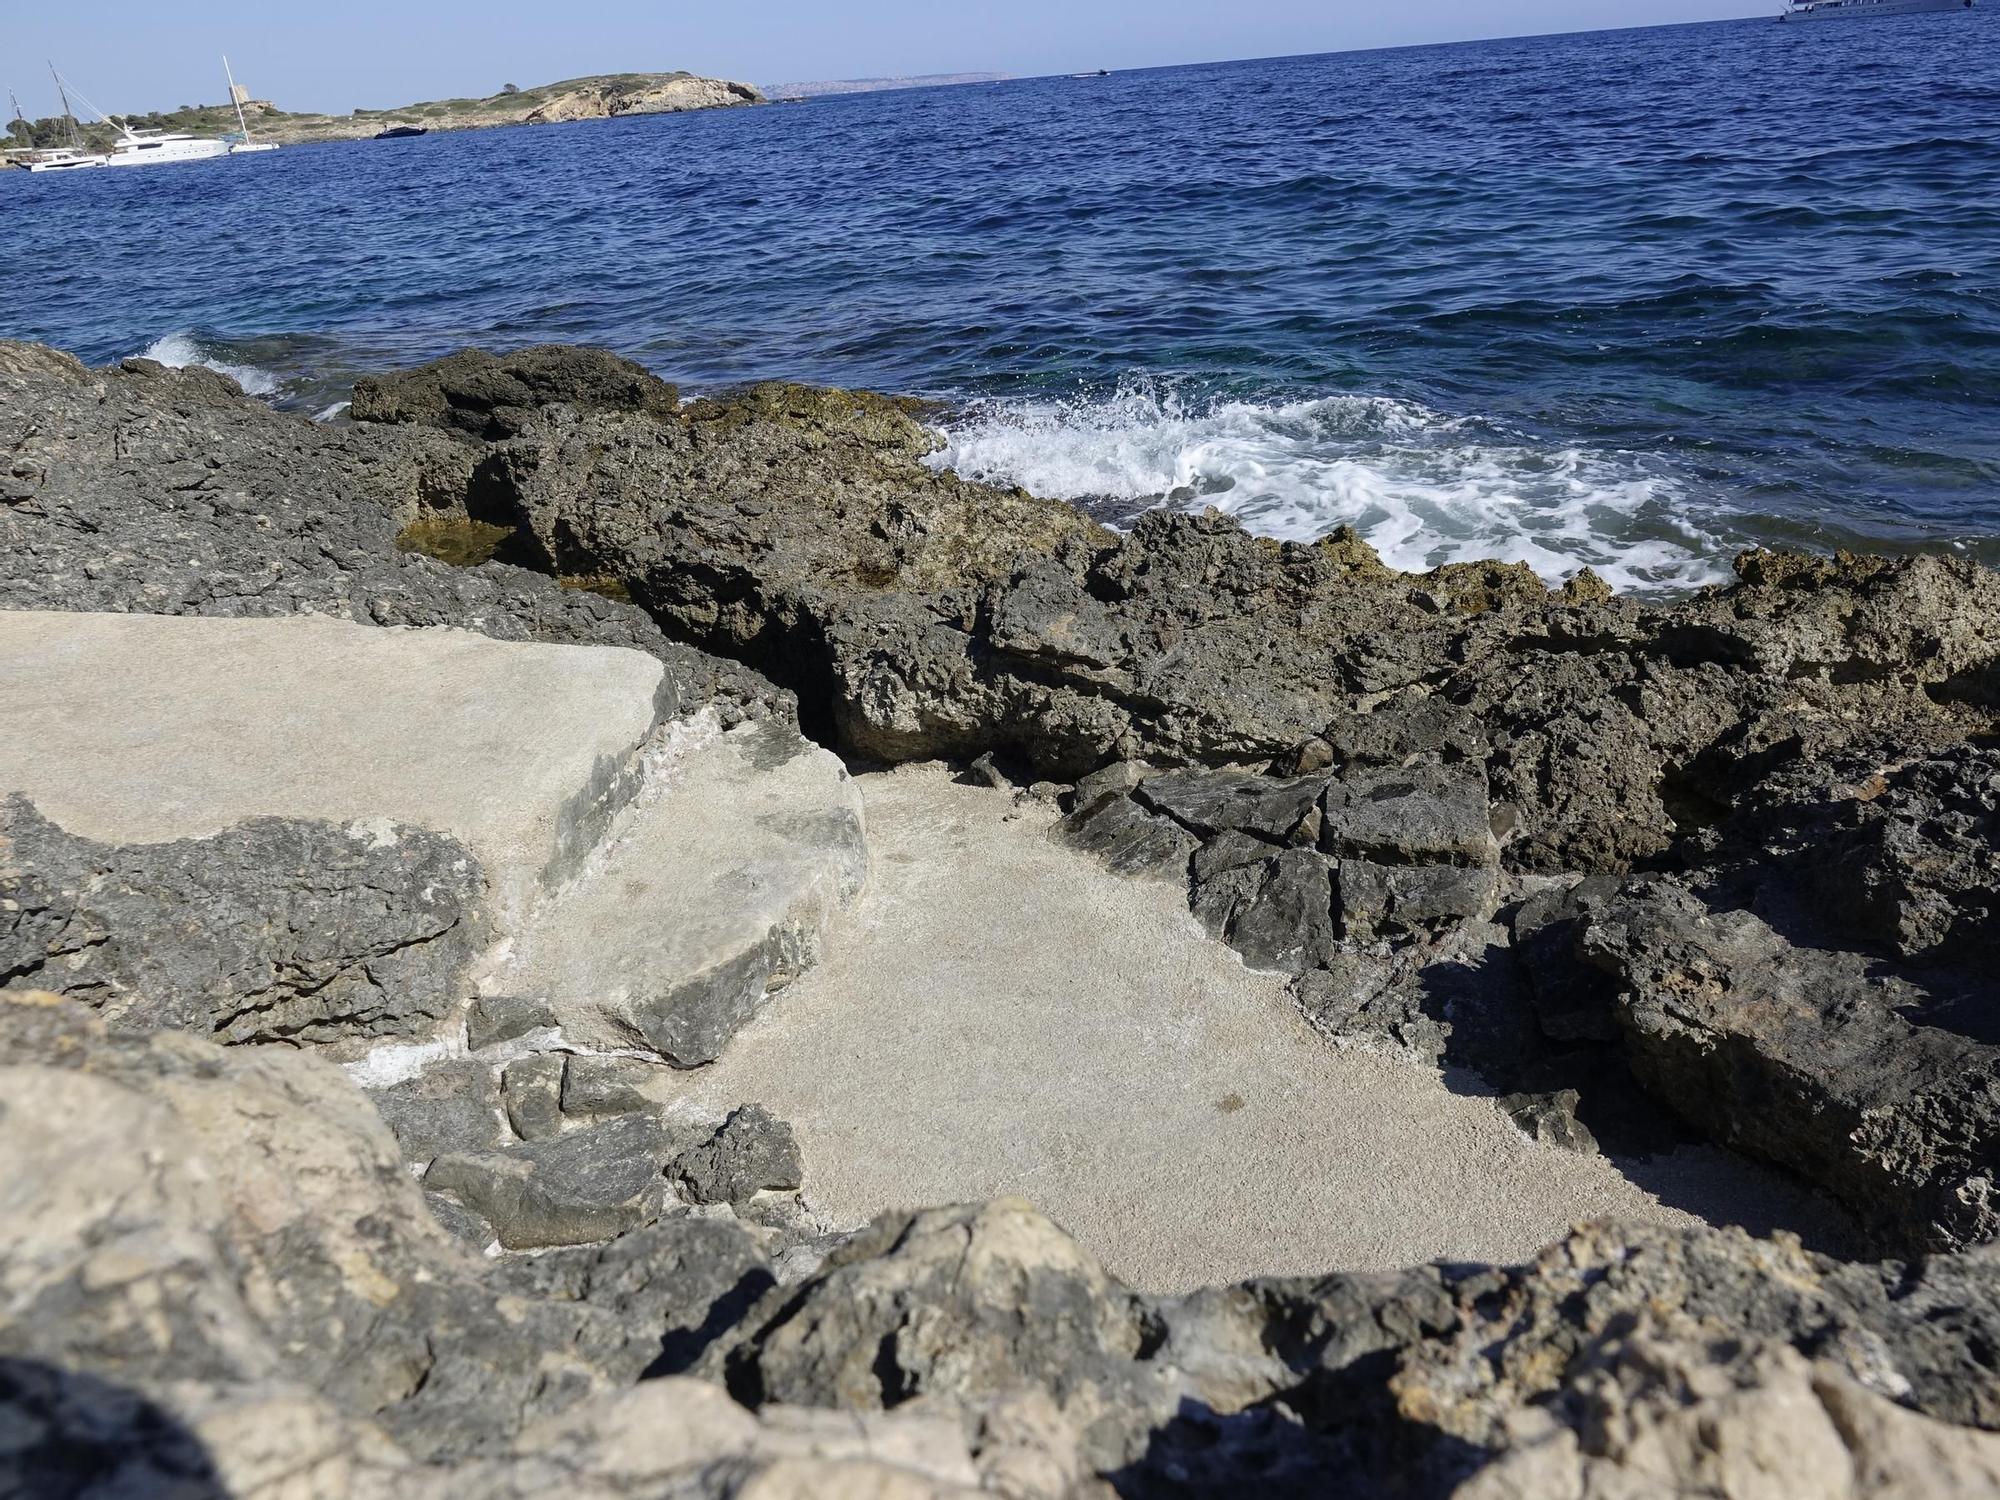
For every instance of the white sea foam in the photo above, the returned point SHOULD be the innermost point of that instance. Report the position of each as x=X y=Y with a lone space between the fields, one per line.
x=180 y=350
x=1424 y=488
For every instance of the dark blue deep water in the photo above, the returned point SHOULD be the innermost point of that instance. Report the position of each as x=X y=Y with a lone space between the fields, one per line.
x=1629 y=299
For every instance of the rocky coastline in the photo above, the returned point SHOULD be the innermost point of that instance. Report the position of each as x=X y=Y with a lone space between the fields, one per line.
x=349 y=1143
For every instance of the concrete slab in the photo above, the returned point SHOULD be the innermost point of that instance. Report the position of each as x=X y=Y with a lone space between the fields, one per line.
x=999 y=1017
x=144 y=728
x=714 y=888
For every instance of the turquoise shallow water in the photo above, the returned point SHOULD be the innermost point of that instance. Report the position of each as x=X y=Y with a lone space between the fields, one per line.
x=1630 y=299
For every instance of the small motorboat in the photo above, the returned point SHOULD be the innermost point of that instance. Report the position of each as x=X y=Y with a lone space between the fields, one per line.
x=1836 y=10
x=402 y=132
x=1100 y=73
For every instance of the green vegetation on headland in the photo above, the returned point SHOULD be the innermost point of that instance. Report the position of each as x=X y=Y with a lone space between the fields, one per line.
x=596 y=97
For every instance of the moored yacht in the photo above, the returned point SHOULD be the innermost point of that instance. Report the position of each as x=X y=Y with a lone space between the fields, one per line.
x=62 y=159
x=1833 y=10
x=145 y=148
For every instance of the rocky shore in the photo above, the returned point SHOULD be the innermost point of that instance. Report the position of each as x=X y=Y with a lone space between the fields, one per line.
x=411 y=1011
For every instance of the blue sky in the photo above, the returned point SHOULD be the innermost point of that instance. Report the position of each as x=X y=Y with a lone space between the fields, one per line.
x=371 y=53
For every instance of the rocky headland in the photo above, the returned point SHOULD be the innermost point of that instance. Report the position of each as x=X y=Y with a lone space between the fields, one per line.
x=495 y=891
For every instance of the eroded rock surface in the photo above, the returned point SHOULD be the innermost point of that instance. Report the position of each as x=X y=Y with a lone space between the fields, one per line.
x=169 y=492
x=1733 y=855
x=275 y=930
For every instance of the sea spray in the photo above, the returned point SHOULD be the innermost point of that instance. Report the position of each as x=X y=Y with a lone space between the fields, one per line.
x=179 y=351
x=1423 y=487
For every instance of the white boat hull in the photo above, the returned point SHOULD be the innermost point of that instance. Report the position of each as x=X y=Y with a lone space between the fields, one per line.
x=1847 y=10
x=77 y=165
x=159 y=153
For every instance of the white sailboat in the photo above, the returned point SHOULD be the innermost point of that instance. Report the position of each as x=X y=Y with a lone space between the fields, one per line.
x=242 y=144
x=67 y=158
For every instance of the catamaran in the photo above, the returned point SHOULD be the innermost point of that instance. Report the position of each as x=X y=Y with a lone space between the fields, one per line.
x=1833 y=10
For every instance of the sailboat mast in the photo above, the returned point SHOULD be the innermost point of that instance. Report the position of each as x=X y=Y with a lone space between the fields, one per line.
x=234 y=98
x=75 y=134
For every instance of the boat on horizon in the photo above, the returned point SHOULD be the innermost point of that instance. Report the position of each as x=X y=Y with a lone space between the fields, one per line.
x=1839 y=10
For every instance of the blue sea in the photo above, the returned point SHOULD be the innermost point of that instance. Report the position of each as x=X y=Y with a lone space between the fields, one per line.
x=1634 y=299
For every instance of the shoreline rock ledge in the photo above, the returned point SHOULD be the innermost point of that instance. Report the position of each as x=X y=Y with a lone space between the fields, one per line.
x=352 y=966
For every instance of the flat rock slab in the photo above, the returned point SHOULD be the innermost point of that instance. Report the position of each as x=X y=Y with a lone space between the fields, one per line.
x=999 y=1018
x=144 y=728
x=714 y=887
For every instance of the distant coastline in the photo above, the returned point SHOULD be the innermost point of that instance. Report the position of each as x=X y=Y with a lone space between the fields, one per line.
x=786 y=92
x=598 y=96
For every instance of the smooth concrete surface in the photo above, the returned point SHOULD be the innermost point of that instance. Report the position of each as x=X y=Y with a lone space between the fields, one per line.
x=144 y=728
x=1001 y=1017
x=715 y=885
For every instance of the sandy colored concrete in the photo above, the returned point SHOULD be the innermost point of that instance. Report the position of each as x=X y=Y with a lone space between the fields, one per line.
x=143 y=728
x=999 y=1016
x=717 y=880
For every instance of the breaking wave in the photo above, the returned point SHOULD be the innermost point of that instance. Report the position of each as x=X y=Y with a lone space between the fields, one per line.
x=1423 y=487
x=180 y=350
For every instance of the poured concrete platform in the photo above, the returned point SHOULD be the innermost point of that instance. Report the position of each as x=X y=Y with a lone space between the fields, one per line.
x=652 y=880
x=143 y=728
x=712 y=889
x=1001 y=1017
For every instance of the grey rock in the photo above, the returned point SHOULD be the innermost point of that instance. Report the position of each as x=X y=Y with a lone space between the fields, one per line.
x=1409 y=815
x=1276 y=911
x=1119 y=776
x=495 y=1019
x=1376 y=1001
x=274 y=1234
x=1550 y=1119
x=1127 y=838
x=750 y=1152
x=959 y=1304
x=1403 y=728
x=574 y=1189
x=275 y=929
x=1212 y=802
x=1807 y=1057
x=490 y=396
x=170 y=492
x=452 y=1106
x=531 y=1088
x=1304 y=758
x=1573 y=999
x=460 y=1222
x=1376 y=899
x=657 y=1296
x=594 y=1087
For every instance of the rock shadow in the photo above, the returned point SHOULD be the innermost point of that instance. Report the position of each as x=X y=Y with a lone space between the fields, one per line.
x=73 y=1436
x=1493 y=1046
x=1350 y=1442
